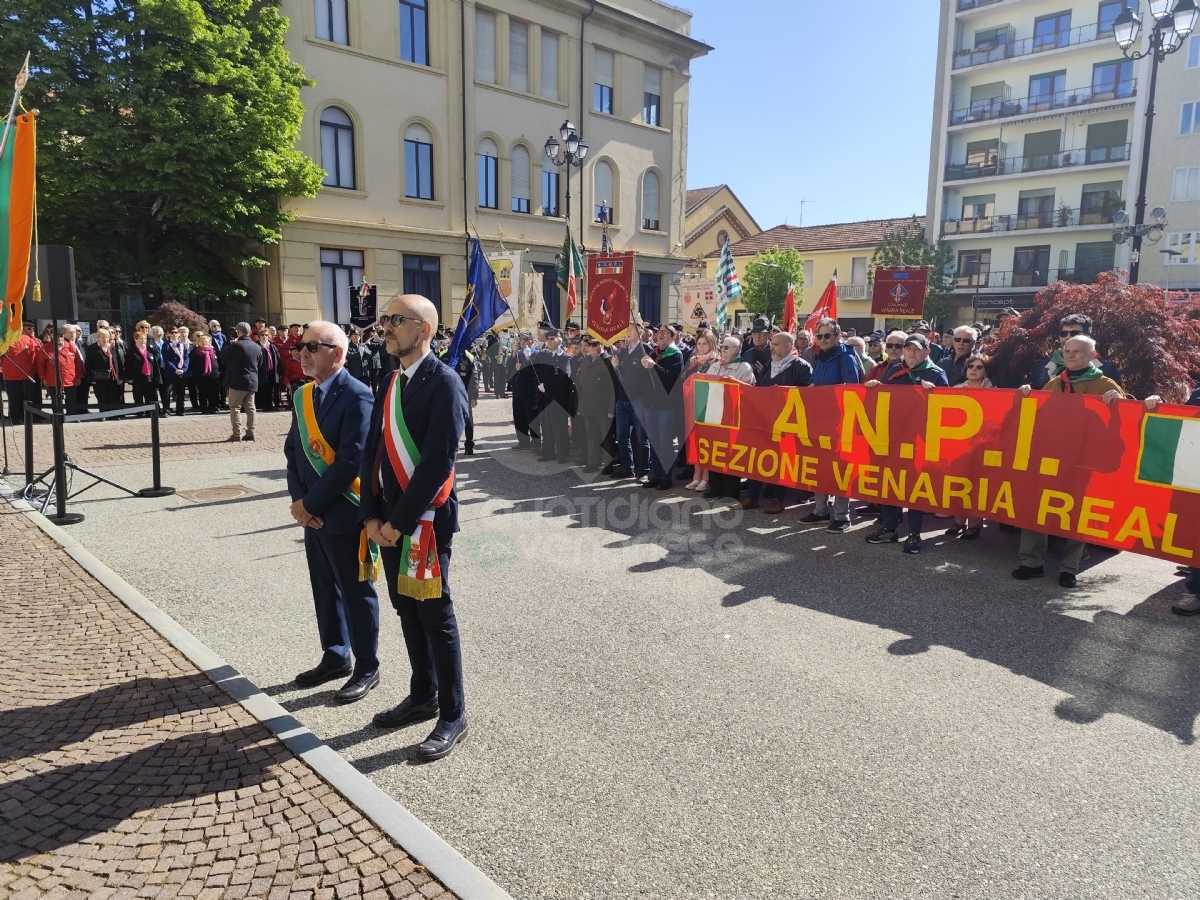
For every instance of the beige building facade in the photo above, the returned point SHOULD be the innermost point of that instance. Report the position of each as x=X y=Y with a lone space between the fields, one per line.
x=430 y=118
x=715 y=215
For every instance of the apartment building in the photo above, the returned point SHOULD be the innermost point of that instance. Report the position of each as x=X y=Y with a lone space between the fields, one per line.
x=1036 y=143
x=430 y=117
x=713 y=216
x=1174 y=179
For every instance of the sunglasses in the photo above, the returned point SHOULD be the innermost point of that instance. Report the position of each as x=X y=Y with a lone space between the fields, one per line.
x=959 y=340
x=312 y=346
x=397 y=320
x=1070 y=333
x=826 y=337
x=971 y=368
x=895 y=346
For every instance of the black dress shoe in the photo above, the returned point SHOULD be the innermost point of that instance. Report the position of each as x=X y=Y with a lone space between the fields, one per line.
x=442 y=740
x=406 y=713
x=356 y=688
x=322 y=674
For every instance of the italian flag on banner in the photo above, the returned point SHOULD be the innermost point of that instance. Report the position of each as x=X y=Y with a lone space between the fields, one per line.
x=1170 y=453
x=716 y=403
x=16 y=219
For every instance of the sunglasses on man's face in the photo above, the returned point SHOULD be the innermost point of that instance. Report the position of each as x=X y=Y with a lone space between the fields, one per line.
x=964 y=340
x=826 y=337
x=895 y=346
x=313 y=346
x=1070 y=333
x=396 y=320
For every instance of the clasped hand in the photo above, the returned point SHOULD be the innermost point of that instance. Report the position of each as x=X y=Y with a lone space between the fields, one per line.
x=303 y=517
x=383 y=534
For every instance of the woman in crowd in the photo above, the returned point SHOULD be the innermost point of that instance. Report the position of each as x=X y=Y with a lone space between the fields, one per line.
x=145 y=374
x=105 y=370
x=270 y=372
x=702 y=359
x=729 y=365
x=68 y=361
x=206 y=372
x=176 y=358
x=968 y=527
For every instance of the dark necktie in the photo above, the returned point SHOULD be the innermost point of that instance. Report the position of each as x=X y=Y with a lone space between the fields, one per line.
x=316 y=398
x=403 y=382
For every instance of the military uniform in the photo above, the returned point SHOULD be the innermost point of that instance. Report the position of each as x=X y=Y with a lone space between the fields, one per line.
x=468 y=370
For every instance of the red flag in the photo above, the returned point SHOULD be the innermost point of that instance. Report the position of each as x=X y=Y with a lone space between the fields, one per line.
x=572 y=296
x=789 y=310
x=826 y=307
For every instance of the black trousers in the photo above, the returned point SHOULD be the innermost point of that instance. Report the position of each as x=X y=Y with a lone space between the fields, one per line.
x=175 y=391
x=597 y=429
x=144 y=392
x=210 y=396
x=16 y=400
x=557 y=442
x=109 y=394
x=469 y=431
x=347 y=609
x=431 y=636
x=524 y=413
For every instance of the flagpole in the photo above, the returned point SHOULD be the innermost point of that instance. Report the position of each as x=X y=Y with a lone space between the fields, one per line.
x=18 y=86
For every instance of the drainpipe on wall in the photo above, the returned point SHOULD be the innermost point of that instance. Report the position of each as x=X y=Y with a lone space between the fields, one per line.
x=582 y=108
x=462 y=6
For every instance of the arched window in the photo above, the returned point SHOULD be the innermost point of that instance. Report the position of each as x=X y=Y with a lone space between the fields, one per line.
x=650 y=201
x=337 y=148
x=489 y=168
x=549 y=188
x=602 y=179
x=418 y=162
x=332 y=21
x=520 y=179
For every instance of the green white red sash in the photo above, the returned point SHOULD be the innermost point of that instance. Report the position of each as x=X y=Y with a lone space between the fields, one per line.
x=321 y=456
x=420 y=572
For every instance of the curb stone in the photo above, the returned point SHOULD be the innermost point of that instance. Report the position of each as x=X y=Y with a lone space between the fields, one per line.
x=417 y=839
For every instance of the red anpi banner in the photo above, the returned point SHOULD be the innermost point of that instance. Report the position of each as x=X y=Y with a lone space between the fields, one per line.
x=1065 y=464
x=899 y=292
x=609 y=293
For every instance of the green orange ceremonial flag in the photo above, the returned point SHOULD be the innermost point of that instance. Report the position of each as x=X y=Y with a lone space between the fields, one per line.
x=17 y=168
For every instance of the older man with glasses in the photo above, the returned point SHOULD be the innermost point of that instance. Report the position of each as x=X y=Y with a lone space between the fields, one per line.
x=836 y=364
x=965 y=340
x=1072 y=326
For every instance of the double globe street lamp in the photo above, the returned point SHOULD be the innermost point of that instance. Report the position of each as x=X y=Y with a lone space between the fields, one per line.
x=1173 y=23
x=572 y=152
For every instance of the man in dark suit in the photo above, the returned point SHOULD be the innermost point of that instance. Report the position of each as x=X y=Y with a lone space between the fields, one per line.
x=406 y=493
x=241 y=360
x=324 y=451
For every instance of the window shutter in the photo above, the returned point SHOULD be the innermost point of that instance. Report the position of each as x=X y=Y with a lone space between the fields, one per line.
x=549 y=66
x=415 y=132
x=341 y=30
x=518 y=56
x=649 y=198
x=604 y=184
x=604 y=67
x=485 y=45
x=487 y=147
x=653 y=81
x=520 y=173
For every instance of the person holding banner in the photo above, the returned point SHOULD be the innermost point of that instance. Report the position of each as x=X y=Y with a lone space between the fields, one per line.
x=324 y=451
x=730 y=365
x=410 y=509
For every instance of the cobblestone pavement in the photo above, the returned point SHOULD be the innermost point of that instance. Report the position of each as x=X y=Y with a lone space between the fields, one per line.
x=126 y=772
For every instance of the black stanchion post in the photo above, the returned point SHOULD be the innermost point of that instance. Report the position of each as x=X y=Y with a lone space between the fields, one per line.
x=28 y=448
x=157 y=490
x=61 y=516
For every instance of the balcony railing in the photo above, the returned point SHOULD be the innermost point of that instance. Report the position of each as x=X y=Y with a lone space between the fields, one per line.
x=998 y=108
x=1014 y=164
x=1053 y=218
x=1034 y=278
x=1083 y=34
x=964 y=5
x=854 y=292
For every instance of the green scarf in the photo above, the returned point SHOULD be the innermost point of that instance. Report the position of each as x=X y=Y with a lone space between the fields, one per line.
x=1091 y=373
x=1056 y=360
x=671 y=350
x=923 y=366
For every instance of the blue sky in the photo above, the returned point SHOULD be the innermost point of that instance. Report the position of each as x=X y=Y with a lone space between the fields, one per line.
x=829 y=102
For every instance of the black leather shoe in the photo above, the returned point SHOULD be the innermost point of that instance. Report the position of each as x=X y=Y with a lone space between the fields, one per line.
x=407 y=713
x=356 y=688
x=322 y=674
x=442 y=740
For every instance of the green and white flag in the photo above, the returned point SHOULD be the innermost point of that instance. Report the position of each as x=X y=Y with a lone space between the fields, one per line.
x=1170 y=453
x=728 y=285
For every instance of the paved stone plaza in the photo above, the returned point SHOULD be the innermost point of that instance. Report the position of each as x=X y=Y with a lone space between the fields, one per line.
x=673 y=699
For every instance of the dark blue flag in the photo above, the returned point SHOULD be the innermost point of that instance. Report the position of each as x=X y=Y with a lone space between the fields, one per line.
x=482 y=307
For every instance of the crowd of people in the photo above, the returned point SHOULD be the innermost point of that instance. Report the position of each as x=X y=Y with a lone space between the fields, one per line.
x=618 y=411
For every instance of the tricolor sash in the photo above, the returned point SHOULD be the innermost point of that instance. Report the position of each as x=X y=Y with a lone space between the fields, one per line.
x=321 y=456
x=420 y=572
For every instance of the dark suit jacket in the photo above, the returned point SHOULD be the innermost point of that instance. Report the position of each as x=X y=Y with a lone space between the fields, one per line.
x=343 y=417
x=798 y=374
x=241 y=359
x=436 y=412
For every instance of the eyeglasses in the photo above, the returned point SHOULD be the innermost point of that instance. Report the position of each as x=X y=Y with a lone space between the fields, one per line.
x=312 y=346
x=972 y=368
x=895 y=346
x=826 y=337
x=1070 y=333
x=397 y=320
x=964 y=340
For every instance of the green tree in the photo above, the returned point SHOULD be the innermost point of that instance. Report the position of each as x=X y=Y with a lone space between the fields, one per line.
x=765 y=282
x=906 y=246
x=167 y=134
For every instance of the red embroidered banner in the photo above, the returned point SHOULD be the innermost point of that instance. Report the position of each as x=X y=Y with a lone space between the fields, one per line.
x=1119 y=476
x=899 y=292
x=609 y=289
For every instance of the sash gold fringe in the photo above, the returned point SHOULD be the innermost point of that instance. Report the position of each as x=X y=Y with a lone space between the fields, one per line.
x=419 y=588
x=369 y=563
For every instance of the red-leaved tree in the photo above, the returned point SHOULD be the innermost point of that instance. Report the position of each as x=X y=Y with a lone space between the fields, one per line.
x=1154 y=344
x=171 y=315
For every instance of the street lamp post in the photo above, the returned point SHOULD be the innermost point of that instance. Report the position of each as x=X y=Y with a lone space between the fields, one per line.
x=1171 y=28
x=572 y=152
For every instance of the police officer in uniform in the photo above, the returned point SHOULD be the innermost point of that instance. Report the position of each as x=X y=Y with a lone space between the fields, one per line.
x=468 y=371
